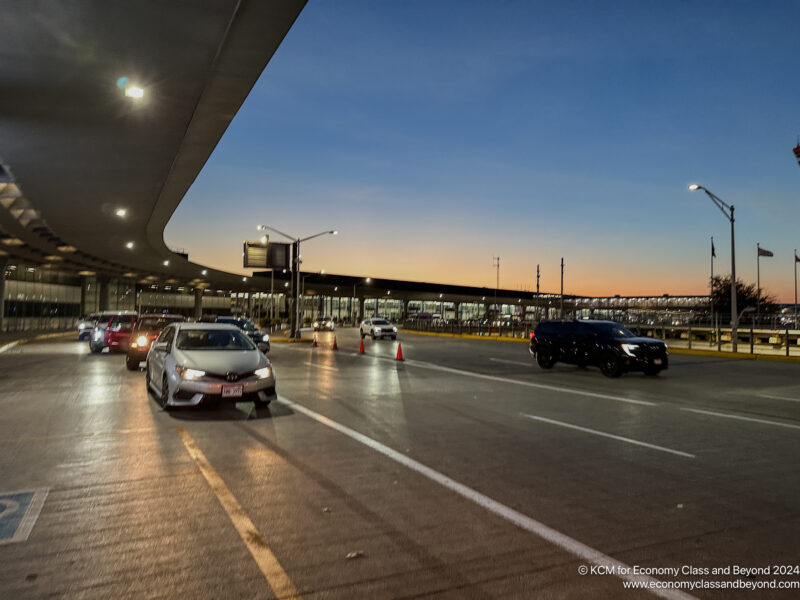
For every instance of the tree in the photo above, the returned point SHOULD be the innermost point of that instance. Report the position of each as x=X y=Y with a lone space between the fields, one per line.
x=746 y=295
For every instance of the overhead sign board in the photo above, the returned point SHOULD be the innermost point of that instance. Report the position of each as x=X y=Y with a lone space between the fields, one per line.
x=255 y=255
x=260 y=255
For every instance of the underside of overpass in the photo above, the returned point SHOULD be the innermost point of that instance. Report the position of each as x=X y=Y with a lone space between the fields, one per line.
x=91 y=175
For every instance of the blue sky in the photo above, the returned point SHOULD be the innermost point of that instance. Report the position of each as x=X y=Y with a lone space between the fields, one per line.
x=435 y=135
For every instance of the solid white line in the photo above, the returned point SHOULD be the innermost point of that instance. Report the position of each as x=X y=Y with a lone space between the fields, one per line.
x=321 y=366
x=779 y=397
x=610 y=435
x=541 y=386
x=511 y=362
x=740 y=418
x=522 y=521
x=8 y=346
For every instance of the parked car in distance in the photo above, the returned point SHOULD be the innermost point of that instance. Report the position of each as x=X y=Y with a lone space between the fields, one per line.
x=87 y=324
x=112 y=331
x=259 y=339
x=323 y=324
x=146 y=329
x=190 y=363
x=377 y=328
x=605 y=344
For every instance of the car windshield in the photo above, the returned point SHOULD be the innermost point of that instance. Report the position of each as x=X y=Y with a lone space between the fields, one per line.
x=613 y=330
x=245 y=324
x=213 y=339
x=380 y=322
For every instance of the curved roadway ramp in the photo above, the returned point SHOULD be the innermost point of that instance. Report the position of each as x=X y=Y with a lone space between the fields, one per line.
x=462 y=472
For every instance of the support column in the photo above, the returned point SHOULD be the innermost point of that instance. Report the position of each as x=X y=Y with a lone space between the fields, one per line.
x=405 y=309
x=361 y=302
x=104 y=299
x=3 y=265
x=457 y=310
x=198 y=303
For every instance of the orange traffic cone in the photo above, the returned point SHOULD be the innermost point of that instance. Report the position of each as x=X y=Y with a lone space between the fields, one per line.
x=335 y=345
x=361 y=347
x=399 y=352
x=314 y=341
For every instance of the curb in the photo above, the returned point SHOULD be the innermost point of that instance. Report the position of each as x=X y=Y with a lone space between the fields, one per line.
x=468 y=336
x=273 y=340
x=43 y=336
x=735 y=356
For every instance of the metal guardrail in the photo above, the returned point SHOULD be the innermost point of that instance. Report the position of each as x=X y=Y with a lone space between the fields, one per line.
x=704 y=336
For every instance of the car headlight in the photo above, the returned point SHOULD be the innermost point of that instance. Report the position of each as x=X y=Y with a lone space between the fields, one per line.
x=190 y=374
x=629 y=348
x=264 y=373
x=141 y=342
x=265 y=338
x=98 y=334
x=316 y=324
x=394 y=329
x=377 y=329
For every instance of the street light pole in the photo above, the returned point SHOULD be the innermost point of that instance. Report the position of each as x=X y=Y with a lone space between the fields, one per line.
x=728 y=211
x=295 y=314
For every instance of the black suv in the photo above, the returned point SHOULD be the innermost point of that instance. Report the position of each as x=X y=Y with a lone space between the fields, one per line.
x=605 y=344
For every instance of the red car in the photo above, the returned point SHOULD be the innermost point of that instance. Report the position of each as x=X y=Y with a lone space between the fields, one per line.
x=113 y=334
x=144 y=332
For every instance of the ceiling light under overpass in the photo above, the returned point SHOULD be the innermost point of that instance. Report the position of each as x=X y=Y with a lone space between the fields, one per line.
x=121 y=212
x=66 y=248
x=134 y=92
x=129 y=245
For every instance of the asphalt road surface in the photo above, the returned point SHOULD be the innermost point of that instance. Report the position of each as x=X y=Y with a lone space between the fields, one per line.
x=464 y=471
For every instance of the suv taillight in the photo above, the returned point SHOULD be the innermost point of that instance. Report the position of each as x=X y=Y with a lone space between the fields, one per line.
x=533 y=335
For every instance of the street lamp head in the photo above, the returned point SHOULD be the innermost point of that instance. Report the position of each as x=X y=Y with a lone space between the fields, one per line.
x=335 y=232
x=694 y=186
x=322 y=271
x=368 y=279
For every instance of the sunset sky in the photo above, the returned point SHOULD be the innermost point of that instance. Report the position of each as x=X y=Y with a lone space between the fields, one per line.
x=436 y=135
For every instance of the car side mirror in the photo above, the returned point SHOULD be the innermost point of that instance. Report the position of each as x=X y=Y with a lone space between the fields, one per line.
x=161 y=346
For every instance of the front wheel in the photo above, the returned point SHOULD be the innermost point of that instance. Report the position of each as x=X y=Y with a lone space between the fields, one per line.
x=373 y=335
x=611 y=366
x=95 y=348
x=163 y=398
x=544 y=360
x=131 y=363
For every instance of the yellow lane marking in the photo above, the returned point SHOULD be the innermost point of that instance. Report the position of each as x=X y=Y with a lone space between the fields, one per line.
x=276 y=577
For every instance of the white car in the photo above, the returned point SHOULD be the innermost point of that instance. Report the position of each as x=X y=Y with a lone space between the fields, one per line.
x=194 y=362
x=378 y=328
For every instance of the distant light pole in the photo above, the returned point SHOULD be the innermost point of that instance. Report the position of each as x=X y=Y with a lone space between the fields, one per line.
x=796 y=260
x=562 y=287
x=303 y=284
x=728 y=211
x=496 y=263
x=357 y=283
x=295 y=317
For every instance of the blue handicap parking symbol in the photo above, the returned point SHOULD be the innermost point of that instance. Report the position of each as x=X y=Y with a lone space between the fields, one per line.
x=18 y=514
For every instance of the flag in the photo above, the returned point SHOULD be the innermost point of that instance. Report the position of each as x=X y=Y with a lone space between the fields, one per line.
x=762 y=252
x=713 y=251
x=796 y=258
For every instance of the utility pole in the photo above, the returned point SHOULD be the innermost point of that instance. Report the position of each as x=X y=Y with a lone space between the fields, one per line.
x=538 y=299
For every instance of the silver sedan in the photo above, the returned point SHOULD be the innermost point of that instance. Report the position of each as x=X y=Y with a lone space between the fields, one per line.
x=194 y=362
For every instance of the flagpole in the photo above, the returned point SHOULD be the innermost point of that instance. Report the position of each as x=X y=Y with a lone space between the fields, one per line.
x=712 y=279
x=795 y=288
x=758 y=280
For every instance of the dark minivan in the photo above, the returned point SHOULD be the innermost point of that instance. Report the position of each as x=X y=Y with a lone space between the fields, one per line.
x=605 y=344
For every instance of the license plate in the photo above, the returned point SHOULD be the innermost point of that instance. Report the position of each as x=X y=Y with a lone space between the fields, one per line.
x=231 y=391
x=656 y=361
